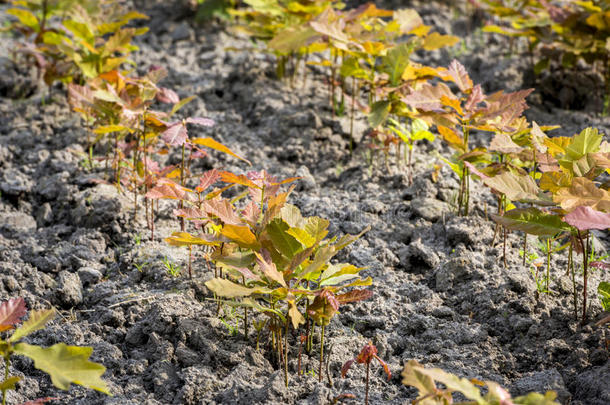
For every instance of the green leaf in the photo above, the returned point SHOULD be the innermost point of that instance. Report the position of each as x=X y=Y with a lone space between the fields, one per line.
x=532 y=221
x=291 y=39
x=25 y=17
x=379 y=113
x=454 y=383
x=36 y=321
x=587 y=141
x=80 y=31
x=66 y=364
x=396 y=61
x=180 y=104
x=285 y=243
x=9 y=383
x=534 y=398
x=337 y=273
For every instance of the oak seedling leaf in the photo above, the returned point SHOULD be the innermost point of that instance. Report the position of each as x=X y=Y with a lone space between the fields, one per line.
x=532 y=221
x=269 y=269
x=408 y=19
x=515 y=187
x=584 y=192
x=168 y=190
x=503 y=143
x=242 y=235
x=36 y=321
x=354 y=296
x=457 y=73
x=66 y=364
x=367 y=354
x=175 y=135
x=412 y=376
x=455 y=383
x=229 y=289
x=436 y=41
x=11 y=312
x=167 y=96
x=428 y=97
x=207 y=179
x=587 y=141
x=223 y=210
x=9 y=384
x=584 y=218
x=186 y=239
x=212 y=144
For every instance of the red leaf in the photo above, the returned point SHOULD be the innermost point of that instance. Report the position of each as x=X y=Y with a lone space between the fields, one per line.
x=168 y=96
x=330 y=299
x=585 y=218
x=206 y=122
x=600 y=265
x=166 y=190
x=207 y=179
x=385 y=366
x=11 y=312
x=251 y=213
x=346 y=367
x=188 y=212
x=223 y=210
x=175 y=134
x=474 y=98
x=354 y=296
x=459 y=75
x=366 y=355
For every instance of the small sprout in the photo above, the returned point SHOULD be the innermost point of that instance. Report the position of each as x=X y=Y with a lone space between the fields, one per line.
x=366 y=356
x=172 y=268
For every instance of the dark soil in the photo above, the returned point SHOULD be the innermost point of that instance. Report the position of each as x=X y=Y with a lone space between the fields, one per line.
x=442 y=294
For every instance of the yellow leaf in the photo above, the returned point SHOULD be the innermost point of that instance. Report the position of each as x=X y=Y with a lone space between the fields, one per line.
x=186 y=239
x=437 y=41
x=240 y=234
x=451 y=137
x=453 y=103
x=212 y=144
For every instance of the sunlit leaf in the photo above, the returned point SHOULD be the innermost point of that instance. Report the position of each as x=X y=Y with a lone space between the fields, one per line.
x=532 y=221
x=36 y=321
x=66 y=365
x=585 y=218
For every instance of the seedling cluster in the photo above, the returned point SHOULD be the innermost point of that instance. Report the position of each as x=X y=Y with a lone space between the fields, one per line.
x=271 y=263
x=565 y=31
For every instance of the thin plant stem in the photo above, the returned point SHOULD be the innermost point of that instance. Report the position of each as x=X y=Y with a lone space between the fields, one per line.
x=524 y=248
x=351 y=121
x=243 y=279
x=7 y=364
x=190 y=261
x=366 y=390
x=286 y=353
x=321 y=353
x=571 y=269
x=548 y=264
x=585 y=266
